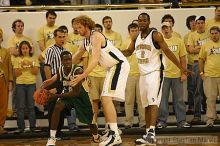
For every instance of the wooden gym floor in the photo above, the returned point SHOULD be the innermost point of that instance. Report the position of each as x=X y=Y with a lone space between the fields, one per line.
x=198 y=139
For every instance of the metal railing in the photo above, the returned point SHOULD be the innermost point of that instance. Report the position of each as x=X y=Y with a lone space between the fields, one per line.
x=106 y=6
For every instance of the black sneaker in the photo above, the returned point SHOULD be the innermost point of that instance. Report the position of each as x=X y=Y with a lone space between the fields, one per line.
x=75 y=129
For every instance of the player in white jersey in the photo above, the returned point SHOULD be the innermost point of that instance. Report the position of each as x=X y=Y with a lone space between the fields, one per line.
x=116 y=65
x=148 y=46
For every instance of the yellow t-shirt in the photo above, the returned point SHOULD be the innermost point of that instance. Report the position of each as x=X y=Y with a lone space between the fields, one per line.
x=76 y=39
x=27 y=77
x=189 y=55
x=176 y=45
x=176 y=34
x=198 y=39
x=46 y=33
x=115 y=38
x=134 y=71
x=210 y=53
x=212 y=22
x=14 y=41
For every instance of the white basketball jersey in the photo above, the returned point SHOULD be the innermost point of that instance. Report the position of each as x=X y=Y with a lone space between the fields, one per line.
x=147 y=55
x=109 y=55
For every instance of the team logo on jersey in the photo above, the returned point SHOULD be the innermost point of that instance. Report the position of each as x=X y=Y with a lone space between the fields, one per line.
x=214 y=51
x=142 y=53
x=50 y=36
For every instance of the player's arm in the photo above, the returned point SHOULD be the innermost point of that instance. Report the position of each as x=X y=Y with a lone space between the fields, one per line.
x=78 y=55
x=75 y=89
x=130 y=50
x=49 y=83
x=159 y=39
x=97 y=39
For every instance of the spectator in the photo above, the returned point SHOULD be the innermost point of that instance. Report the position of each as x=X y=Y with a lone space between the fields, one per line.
x=209 y=58
x=195 y=42
x=6 y=80
x=45 y=38
x=173 y=80
x=169 y=18
x=26 y=68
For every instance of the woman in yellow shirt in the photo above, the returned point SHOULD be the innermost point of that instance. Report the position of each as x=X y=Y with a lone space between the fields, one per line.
x=26 y=67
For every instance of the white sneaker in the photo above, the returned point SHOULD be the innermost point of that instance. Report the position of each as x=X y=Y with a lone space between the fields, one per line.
x=51 y=141
x=105 y=134
x=112 y=140
x=148 y=139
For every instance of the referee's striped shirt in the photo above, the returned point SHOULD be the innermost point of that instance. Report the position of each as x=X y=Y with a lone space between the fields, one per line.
x=53 y=59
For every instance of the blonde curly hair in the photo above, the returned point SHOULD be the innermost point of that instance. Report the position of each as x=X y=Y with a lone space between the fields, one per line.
x=85 y=21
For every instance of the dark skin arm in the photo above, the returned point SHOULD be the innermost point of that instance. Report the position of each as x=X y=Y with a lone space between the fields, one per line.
x=130 y=50
x=159 y=39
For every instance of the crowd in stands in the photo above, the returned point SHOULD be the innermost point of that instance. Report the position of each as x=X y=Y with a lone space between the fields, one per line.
x=84 y=2
x=198 y=50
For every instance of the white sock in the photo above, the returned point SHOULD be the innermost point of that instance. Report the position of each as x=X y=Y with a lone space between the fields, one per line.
x=114 y=127
x=147 y=129
x=53 y=133
x=153 y=127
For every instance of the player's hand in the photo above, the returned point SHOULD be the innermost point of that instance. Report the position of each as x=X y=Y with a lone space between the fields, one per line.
x=76 y=80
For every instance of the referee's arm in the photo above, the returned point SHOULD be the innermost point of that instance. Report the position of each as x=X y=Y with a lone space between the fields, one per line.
x=47 y=65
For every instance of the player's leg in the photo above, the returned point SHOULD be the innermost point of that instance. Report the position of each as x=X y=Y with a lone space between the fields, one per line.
x=55 y=118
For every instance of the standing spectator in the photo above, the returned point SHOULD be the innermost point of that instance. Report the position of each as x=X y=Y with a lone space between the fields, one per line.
x=209 y=67
x=45 y=38
x=110 y=34
x=214 y=21
x=169 y=18
x=132 y=91
x=191 y=25
x=6 y=80
x=14 y=41
x=26 y=68
x=115 y=38
x=195 y=42
x=173 y=80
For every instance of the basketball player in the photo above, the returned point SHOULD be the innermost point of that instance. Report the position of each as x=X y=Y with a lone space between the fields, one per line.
x=148 y=46
x=71 y=97
x=116 y=65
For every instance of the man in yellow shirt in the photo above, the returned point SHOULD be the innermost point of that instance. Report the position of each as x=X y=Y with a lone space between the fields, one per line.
x=14 y=41
x=132 y=88
x=209 y=67
x=214 y=21
x=45 y=38
x=169 y=18
x=111 y=35
x=173 y=79
x=191 y=25
x=195 y=41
